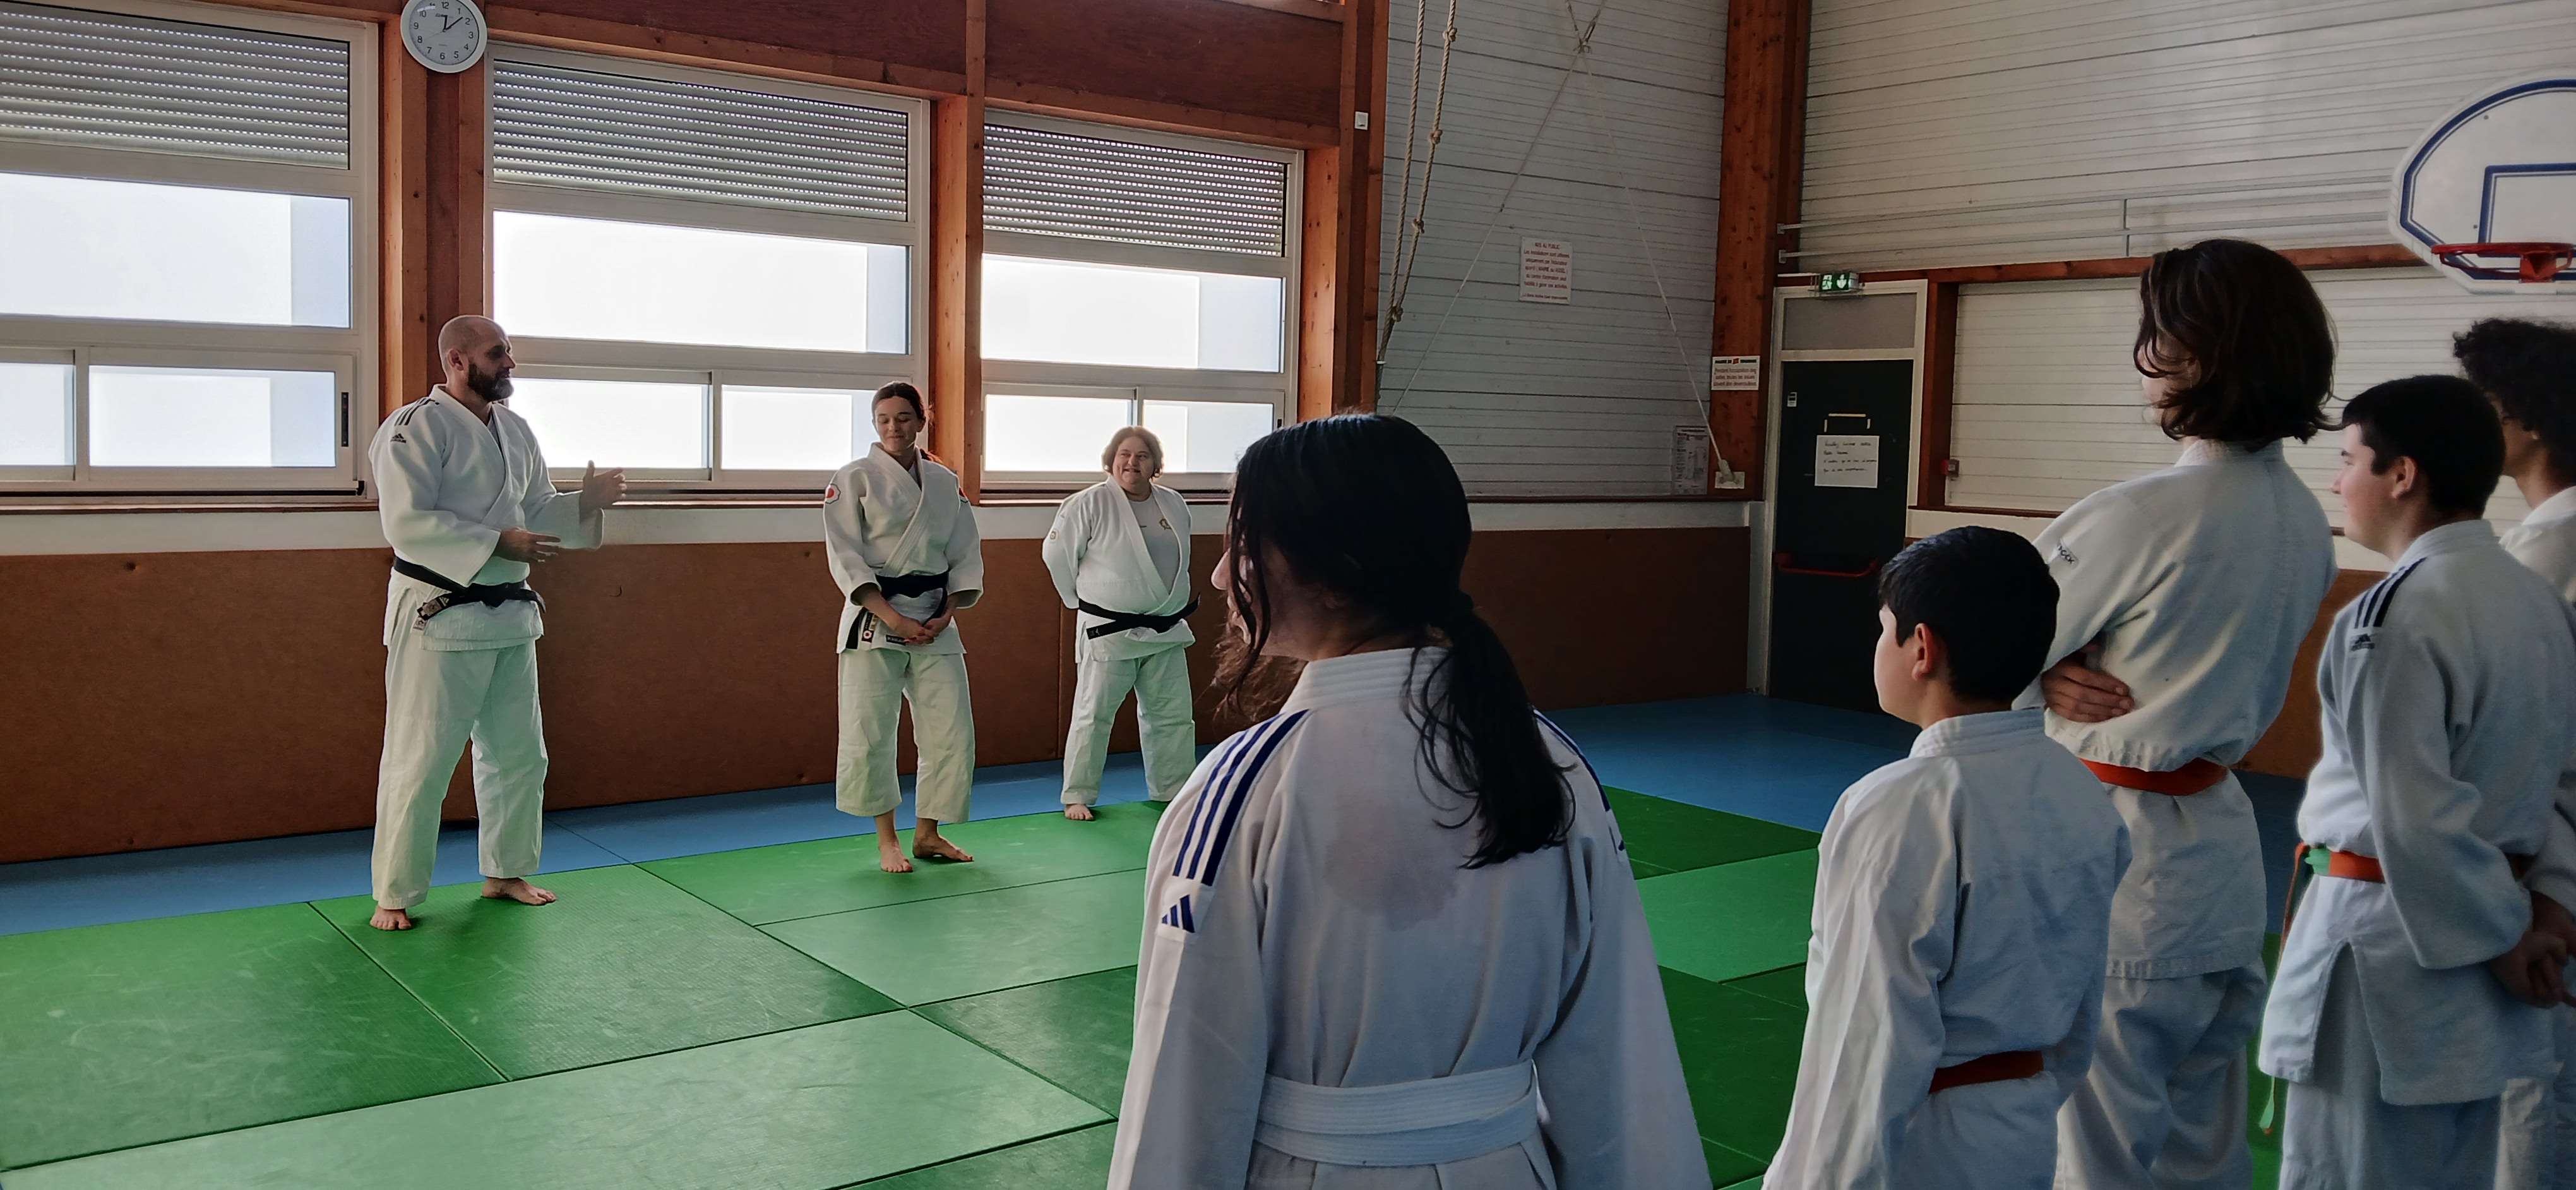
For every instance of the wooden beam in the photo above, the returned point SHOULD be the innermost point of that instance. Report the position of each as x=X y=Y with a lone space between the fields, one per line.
x=459 y=256
x=1940 y=376
x=1161 y=117
x=402 y=221
x=1319 y=330
x=1759 y=171
x=957 y=269
x=1360 y=177
x=2358 y=256
x=1321 y=10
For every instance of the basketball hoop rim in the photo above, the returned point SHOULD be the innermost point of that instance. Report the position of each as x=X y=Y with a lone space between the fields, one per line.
x=2536 y=261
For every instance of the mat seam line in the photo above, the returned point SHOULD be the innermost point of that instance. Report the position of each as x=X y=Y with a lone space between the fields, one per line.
x=926 y=900
x=434 y=1014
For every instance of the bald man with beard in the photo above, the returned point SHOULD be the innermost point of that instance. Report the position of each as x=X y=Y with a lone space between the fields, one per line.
x=468 y=507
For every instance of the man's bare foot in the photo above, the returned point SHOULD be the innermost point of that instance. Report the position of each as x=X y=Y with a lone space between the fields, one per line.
x=890 y=855
x=516 y=889
x=390 y=919
x=1079 y=812
x=926 y=844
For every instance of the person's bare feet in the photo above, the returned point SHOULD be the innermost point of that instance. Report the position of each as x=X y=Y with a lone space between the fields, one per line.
x=890 y=855
x=390 y=919
x=926 y=844
x=516 y=889
x=1079 y=812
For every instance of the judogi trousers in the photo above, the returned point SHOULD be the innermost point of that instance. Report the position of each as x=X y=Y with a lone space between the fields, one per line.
x=1163 y=721
x=2338 y=1134
x=2540 y=1119
x=875 y=683
x=2163 y=1106
x=434 y=703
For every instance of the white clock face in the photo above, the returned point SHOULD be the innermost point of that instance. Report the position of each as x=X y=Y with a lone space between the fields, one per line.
x=445 y=35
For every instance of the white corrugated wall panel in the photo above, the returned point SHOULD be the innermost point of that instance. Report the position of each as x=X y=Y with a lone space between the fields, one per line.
x=1942 y=132
x=1578 y=399
x=2047 y=411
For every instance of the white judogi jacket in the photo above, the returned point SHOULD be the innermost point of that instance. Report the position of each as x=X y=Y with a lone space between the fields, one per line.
x=1311 y=918
x=2545 y=542
x=2200 y=581
x=2449 y=697
x=1094 y=551
x=447 y=484
x=1963 y=896
x=878 y=522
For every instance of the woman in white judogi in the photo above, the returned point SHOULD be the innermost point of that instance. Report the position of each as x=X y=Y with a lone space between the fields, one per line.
x=1122 y=547
x=903 y=546
x=2187 y=593
x=1963 y=901
x=2449 y=716
x=1392 y=940
x=2528 y=370
x=466 y=503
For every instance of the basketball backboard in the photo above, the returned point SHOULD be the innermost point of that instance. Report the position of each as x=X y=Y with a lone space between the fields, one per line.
x=2488 y=194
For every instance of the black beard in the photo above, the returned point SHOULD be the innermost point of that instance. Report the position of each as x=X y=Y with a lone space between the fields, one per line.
x=491 y=386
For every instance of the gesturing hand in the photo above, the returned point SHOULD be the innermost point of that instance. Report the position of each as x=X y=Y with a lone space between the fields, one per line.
x=2083 y=695
x=520 y=545
x=599 y=489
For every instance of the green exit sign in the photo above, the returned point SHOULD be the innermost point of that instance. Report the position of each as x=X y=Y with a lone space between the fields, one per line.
x=1837 y=284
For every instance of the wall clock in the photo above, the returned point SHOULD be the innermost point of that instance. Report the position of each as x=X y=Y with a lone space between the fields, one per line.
x=444 y=35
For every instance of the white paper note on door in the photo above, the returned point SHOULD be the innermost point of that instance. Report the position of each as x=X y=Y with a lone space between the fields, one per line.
x=1846 y=460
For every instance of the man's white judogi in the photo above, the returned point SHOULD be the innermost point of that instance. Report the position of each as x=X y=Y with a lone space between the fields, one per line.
x=1963 y=902
x=2540 y=1114
x=2449 y=696
x=2199 y=582
x=1097 y=553
x=1322 y=974
x=880 y=525
x=447 y=484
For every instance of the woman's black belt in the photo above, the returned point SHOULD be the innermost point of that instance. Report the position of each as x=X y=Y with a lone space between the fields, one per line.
x=487 y=594
x=1122 y=621
x=905 y=586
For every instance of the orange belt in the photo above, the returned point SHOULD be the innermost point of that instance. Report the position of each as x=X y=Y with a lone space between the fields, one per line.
x=2182 y=782
x=2353 y=865
x=1993 y=1068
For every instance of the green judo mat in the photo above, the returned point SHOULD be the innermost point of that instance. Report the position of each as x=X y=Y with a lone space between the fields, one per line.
x=785 y=1017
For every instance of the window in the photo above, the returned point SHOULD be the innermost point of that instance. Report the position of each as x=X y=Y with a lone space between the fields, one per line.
x=183 y=300
x=704 y=276
x=1132 y=279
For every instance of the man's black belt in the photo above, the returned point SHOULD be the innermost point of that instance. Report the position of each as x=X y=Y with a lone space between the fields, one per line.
x=1122 y=621
x=487 y=594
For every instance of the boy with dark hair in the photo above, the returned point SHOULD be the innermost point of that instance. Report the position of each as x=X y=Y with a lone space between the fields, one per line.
x=1943 y=1029
x=2528 y=371
x=2412 y=980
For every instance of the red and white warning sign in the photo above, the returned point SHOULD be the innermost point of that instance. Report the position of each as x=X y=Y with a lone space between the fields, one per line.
x=1547 y=271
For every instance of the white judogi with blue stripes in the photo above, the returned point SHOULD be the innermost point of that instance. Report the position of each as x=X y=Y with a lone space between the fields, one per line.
x=2540 y=1114
x=1963 y=908
x=2449 y=717
x=1316 y=948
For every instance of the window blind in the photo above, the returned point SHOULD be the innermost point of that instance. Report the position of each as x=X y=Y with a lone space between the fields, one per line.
x=556 y=126
x=106 y=80
x=1044 y=182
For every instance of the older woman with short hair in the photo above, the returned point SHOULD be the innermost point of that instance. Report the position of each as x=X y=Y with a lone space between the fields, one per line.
x=1119 y=552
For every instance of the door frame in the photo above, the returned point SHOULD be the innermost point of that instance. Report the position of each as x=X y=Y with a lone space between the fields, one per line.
x=1758 y=620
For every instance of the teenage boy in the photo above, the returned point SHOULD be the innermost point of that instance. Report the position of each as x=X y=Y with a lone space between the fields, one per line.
x=1963 y=901
x=2528 y=371
x=2412 y=979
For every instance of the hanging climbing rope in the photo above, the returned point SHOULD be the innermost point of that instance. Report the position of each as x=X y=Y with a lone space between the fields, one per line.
x=1408 y=232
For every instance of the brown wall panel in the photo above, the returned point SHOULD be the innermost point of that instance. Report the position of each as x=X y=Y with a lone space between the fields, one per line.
x=2290 y=748
x=925 y=33
x=1199 y=54
x=187 y=698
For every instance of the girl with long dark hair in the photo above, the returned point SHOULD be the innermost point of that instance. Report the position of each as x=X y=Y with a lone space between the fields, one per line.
x=1388 y=921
